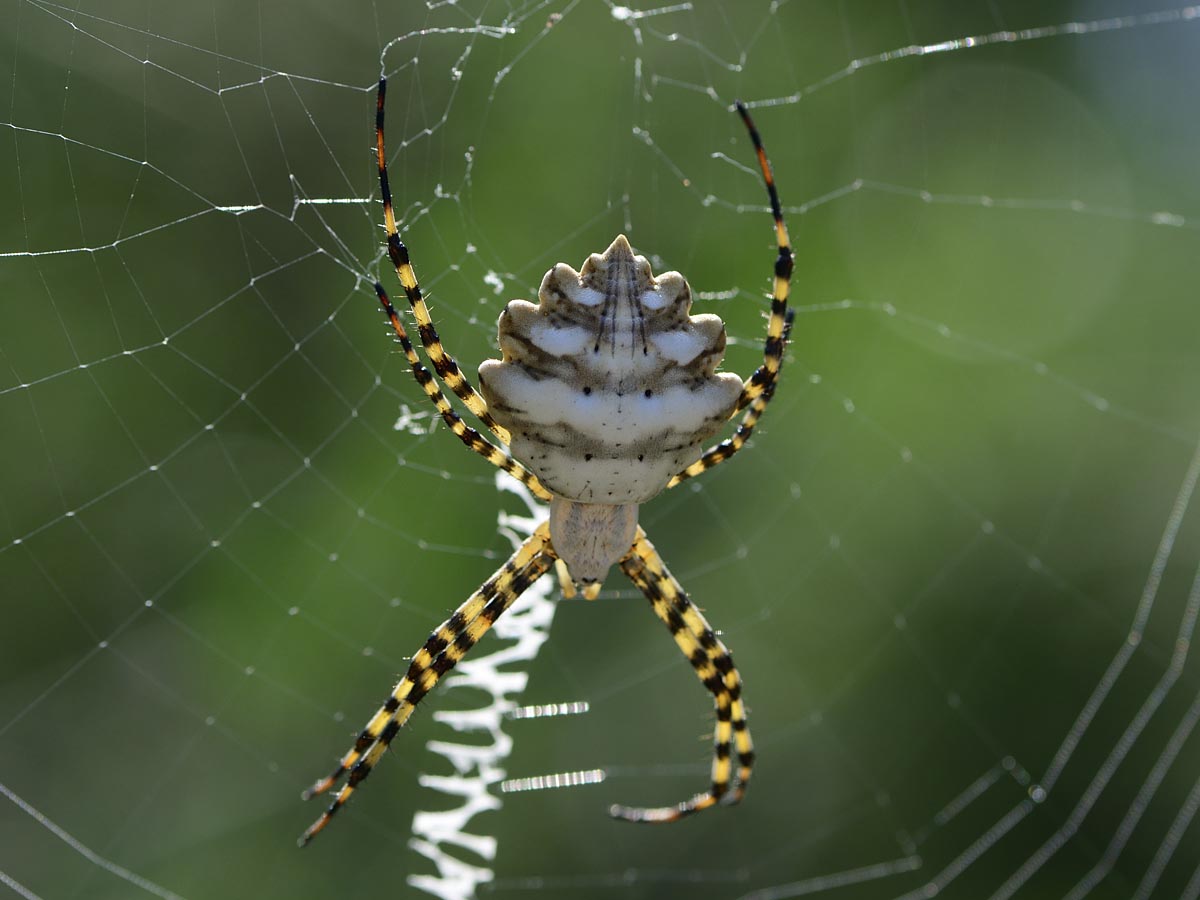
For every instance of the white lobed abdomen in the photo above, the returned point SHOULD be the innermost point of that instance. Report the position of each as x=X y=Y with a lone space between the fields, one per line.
x=608 y=385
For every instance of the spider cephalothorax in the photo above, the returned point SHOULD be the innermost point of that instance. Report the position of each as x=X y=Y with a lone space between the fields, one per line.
x=604 y=395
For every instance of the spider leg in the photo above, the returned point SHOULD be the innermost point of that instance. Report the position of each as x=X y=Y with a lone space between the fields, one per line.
x=759 y=387
x=468 y=435
x=714 y=667
x=765 y=375
x=443 y=363
x=720 y=452
x=444 y=648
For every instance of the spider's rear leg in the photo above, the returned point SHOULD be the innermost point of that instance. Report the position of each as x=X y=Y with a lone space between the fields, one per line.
x=443 y=649
x=759 y=387
x=714 y=667
x=718 y=453
x=464 y=432
x=444 y=364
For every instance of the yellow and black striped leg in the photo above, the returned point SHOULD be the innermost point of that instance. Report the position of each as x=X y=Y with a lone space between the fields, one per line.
x=468 y=435
x=766 y=374
x=443 y=363
x=759 y=387
x=719 y=453
x=442 y=651
x=714 y=667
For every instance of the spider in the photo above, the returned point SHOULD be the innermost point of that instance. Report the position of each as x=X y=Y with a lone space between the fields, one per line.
x=604 y=395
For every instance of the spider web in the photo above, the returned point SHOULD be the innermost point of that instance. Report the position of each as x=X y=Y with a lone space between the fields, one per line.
x=958 y=567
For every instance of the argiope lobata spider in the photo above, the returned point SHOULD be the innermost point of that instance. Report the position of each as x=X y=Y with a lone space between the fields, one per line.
x=606 y=391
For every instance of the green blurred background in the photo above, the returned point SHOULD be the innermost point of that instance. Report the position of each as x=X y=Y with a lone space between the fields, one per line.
x=965 y=530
